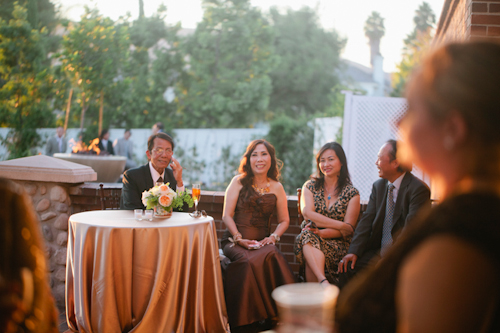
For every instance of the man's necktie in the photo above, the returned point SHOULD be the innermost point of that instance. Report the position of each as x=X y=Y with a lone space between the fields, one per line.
x=388 y=222
x=160 y=180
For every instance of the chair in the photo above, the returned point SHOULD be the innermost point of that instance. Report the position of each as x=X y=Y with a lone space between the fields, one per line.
x=109 y=200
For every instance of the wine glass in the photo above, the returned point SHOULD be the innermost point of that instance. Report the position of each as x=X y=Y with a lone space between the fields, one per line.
x=196 y=194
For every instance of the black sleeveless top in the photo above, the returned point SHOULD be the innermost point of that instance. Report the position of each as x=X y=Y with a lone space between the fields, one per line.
x=368 y=303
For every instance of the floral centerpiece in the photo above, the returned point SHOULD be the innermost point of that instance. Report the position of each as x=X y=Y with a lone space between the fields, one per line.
x=163 y=199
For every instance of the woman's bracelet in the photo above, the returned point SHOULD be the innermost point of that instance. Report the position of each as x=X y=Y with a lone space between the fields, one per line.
x=235 y=239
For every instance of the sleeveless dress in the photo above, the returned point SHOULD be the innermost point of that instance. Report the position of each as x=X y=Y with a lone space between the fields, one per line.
x=253 y=274
x=334 y=248
x=367 y=304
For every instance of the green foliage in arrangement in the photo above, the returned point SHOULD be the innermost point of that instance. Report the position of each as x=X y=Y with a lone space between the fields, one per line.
x=309 y=58
x=230 y=57
x=25 y=84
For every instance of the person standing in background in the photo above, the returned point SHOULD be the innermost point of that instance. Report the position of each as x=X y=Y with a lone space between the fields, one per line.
x=124 y=147
x=157 y=128
x=57 y=143
x=105 y=144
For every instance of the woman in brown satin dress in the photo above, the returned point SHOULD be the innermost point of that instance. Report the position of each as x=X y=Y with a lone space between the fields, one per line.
x=257 y=265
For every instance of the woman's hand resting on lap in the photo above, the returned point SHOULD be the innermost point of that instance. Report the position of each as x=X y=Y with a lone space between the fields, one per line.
x=246 y=243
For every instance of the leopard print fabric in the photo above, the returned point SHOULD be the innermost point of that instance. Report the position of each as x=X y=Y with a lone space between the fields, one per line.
x=335 y=248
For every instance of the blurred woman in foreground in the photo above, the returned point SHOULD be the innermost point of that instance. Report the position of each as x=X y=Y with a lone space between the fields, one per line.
x=26 y=303
x=443 y=274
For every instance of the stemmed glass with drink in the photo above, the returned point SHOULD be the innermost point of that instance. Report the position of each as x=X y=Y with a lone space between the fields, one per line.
x=196 y=194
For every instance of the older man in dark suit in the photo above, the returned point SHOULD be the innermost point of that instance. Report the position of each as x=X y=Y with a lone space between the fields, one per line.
x=394 y=202
x=140 y=179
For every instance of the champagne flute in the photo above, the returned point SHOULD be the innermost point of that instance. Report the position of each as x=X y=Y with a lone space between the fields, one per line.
x=196 y=194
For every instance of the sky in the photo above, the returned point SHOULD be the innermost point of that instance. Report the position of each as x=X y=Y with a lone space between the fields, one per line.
x=346 y=17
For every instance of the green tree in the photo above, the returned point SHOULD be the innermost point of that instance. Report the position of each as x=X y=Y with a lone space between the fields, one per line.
x=230 y=57
x=93 y=52
x=154 y=65
x=40 y=13
x=417 y=44
x=293 y=139
x=309 y=58
x=374 y=30
x=25 y=84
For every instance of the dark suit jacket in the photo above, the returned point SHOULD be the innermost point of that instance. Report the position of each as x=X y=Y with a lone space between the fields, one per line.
x=412 y=196
x=109 y=147
x=138 y=180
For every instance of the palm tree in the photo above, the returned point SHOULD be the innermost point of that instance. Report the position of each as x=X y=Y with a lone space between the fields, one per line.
x=374 y=30
x=424 y=17
x=424 y=20
x=141 y=9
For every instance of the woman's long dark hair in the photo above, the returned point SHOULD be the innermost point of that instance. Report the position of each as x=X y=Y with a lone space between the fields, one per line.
x=344 y=177
x=22 y=250
x=245 y=169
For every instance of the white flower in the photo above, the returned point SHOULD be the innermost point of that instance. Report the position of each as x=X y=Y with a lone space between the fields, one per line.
x=155 y=191
x=145 y=197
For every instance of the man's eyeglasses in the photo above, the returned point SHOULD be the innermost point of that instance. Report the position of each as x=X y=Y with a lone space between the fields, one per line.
x=161 y=151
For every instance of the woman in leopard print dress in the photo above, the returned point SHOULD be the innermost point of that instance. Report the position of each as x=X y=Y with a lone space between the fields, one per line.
x=330 y=207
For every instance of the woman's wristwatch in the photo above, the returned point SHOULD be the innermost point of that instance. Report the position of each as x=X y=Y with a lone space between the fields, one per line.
x=276 y=237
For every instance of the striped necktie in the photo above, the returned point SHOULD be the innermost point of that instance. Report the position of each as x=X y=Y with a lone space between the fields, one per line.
x=388 y=222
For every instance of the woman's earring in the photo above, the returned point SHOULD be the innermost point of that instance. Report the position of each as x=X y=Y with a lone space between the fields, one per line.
x=448 y=143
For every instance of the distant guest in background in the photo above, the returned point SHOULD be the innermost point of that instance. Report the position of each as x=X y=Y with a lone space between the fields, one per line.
x=124 y=147
x=26 y=302
x=57 y=143
x=105 y=145
x=158 y=128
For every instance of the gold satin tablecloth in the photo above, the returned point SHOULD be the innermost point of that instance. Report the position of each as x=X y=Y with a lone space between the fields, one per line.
x=124 y=275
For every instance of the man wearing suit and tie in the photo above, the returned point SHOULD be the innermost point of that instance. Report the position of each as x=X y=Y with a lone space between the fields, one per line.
x=394 y=202
x=140 y=179
x=57 y=143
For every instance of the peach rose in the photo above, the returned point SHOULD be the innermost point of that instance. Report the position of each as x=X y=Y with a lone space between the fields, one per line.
x=164 y=188
x=165 y=200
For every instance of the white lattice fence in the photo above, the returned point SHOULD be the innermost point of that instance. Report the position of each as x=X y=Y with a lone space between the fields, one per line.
x=368 y=123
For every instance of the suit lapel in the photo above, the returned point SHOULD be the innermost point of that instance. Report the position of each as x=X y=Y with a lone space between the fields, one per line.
x=401 y=193
x=148 y=179
x=379 y=218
